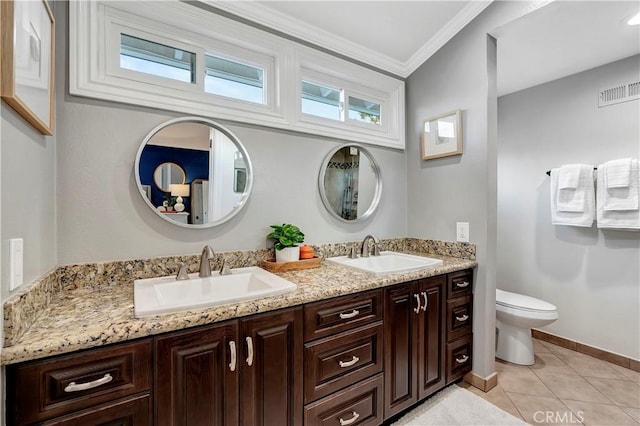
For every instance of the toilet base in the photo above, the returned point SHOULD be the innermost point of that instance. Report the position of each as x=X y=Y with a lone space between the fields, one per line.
x=514 y=344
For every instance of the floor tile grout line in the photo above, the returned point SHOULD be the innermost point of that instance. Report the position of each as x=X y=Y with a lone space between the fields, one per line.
x=557 y=397
x=514 y=405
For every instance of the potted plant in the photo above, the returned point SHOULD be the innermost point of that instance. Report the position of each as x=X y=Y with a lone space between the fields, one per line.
x=286 y=237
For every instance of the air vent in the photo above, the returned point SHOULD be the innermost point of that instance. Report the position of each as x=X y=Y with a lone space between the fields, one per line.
x=617 y=94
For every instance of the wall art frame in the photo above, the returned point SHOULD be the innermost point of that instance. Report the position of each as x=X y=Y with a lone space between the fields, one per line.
x=442 y=135
x=27 y=43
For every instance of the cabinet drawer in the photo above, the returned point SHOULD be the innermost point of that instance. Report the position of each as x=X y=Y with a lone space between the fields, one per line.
x=336 y=362
x=459 y=284
x=459 y=358
x=57 y=386
x=358 y=405
x=328 y=317
x=459 y=314
x=130 y=412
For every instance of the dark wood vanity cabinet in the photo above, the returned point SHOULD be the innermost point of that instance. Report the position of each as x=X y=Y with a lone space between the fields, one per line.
x=459 y=324
x=357 y=359
x=343 y=359
x=246 y=372
x=414 y=365
x=110 y=385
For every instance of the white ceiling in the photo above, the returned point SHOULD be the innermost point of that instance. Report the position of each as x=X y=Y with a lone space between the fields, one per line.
x=556 y=40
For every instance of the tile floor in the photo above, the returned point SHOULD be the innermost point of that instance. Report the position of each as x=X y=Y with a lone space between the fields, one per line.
x=566 y=387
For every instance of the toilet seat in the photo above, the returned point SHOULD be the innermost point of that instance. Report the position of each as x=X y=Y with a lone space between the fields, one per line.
x=522 y=302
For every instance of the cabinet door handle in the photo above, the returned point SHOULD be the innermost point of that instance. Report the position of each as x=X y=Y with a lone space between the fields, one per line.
x=232 y=349
x=462 y=360
x=462 y=284
x=350 y=314
x=352 y=420
x=249 y=351
x=73 y=387
x=462 y=318
x=426 y=301
x=344 y=364
x=417 y=309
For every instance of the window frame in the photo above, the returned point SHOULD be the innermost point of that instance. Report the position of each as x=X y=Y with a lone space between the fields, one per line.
x=94 y=70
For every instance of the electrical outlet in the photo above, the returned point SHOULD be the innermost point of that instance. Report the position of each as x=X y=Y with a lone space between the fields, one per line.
x=462 y=232
x=16 y=277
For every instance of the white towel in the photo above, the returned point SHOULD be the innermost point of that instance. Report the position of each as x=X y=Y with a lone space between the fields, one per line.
x=573 y=199
x=569 y=176
x=618 y=173
x=615 y=219
x=583 y=197
x=617 y=196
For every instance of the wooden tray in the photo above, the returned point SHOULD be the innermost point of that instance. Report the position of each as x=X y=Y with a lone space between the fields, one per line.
x=272 y=266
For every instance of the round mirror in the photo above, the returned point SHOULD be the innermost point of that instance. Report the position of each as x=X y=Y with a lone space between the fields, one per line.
x=167 y=174
x=193 y=172
x=349 y=183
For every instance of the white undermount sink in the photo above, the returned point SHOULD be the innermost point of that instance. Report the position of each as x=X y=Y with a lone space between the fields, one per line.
x=165 y=295
x=389 y=262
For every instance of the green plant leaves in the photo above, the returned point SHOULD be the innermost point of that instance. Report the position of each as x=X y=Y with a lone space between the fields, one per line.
x=285 y=235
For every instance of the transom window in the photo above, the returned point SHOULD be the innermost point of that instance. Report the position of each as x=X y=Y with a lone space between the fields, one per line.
x=234 y=80
x=365 y=111
x=322 y=101
x=146 y=56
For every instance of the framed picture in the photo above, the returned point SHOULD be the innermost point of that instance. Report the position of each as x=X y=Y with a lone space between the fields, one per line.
x=27 y=45
x=442 y=136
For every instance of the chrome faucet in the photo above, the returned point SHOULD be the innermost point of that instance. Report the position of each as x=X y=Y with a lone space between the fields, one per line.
x=365 y=246
x=205 y=266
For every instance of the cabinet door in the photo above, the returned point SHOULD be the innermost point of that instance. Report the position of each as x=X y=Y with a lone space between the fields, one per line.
x=271 y=369
x=431 y=332
x=400 y=350
x=195 y=384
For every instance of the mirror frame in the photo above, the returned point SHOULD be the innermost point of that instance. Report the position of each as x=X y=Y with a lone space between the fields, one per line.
x=184 y=175
x=236 y=141
x=376 y=170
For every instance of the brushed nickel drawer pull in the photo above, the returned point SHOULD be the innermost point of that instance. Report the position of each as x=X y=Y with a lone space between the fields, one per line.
x=426 y=301
x=250 y=350
x=462 y=284
x=351 y=421
x=73 y=387
x=462 y=360
x=344 y=364
x=462 y=318
x=232 y=348
x=417 y=309
x=350 y=314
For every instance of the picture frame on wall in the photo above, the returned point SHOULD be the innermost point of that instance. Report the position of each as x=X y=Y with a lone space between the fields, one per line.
x=442 y=135
x=27 y=45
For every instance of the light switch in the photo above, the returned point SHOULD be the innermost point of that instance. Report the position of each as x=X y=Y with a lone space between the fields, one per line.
x=16 y=277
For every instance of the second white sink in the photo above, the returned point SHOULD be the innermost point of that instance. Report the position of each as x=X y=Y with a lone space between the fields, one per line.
x=164 y=295
x=389 y=262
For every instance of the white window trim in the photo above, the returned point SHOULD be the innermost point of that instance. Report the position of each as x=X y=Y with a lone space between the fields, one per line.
x=94 y=71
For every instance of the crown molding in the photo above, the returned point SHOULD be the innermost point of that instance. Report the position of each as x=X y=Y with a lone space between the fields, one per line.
x=263 y=15
x=446 y=33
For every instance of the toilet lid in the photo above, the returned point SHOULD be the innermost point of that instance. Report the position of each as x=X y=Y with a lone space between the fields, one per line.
x=520 y=301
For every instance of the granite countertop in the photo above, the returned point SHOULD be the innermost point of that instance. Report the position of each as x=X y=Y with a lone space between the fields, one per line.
x=83 y=318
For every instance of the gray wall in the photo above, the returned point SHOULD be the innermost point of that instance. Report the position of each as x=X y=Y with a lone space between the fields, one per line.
x=461 y=188
x=101 y=215
x=591 y=275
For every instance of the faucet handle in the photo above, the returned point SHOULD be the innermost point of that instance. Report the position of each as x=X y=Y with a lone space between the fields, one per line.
x=225 y=270
x=376 y=249
x=182 y=273
x=354 y=253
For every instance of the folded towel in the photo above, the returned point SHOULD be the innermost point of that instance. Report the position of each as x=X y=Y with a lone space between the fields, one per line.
x=621 y=198
x=583 y=197
x=614 y=219
x=569 y=176
x=618 y=173
x=574 y=199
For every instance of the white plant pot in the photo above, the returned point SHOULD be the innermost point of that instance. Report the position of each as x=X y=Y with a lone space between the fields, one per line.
x=288 y=254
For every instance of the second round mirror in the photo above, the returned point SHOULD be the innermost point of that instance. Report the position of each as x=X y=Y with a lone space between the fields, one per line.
x=349 y=183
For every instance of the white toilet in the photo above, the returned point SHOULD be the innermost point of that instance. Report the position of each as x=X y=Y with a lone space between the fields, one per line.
x=516 y=314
